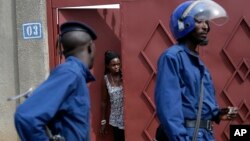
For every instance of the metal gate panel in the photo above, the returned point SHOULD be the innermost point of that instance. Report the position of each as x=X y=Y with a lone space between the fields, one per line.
x=145 y=37
x=227 y=57
x=235 y=92
x=142 y=34
x=160 y=38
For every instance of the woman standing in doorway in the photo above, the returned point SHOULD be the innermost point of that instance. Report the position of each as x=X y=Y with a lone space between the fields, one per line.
x=113 y=95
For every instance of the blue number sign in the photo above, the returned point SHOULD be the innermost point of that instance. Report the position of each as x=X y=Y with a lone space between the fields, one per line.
x=32 y=31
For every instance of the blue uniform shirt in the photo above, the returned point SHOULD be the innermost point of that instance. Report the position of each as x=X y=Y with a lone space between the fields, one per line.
x=178 y=89
x=61 y=102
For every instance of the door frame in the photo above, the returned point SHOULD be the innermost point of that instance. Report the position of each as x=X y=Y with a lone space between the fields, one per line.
x=53 y=7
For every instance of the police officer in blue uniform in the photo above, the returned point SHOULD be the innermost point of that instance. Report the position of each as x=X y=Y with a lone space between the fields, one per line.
x=61 y=103
x=181 y=73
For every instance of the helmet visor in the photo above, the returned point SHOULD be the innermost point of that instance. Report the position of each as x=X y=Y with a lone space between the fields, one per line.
x=208 y=10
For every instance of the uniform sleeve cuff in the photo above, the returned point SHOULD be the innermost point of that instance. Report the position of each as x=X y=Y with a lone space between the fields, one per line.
x=217 y=119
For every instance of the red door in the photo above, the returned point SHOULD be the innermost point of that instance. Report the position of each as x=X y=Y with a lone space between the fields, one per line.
x=106 y=23
x=140 y=32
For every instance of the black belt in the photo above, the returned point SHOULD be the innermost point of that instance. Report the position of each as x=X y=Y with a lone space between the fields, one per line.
x=207 y=124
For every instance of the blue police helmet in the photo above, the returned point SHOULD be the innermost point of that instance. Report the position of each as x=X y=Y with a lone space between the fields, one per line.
x=182 y=20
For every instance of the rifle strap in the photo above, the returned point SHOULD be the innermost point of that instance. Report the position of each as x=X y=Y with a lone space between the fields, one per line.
x=198 y=119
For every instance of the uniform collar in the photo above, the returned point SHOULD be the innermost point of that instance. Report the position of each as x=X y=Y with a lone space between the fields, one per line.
x=85 y=71
x=190 y=52
x=196 y=55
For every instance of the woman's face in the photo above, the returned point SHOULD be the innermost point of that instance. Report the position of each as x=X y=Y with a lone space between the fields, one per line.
x=114 y=65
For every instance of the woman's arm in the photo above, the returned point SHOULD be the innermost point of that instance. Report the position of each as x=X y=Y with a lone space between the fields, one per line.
x=104 y=106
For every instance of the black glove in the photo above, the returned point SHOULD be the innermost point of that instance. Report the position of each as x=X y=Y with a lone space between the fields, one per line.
x=228 y=113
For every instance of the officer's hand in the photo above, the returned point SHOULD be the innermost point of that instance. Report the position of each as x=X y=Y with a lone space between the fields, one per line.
x=229 y=113
x=103 y=130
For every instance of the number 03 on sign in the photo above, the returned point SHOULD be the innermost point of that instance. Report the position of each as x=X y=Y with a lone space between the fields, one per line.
x=32 y=31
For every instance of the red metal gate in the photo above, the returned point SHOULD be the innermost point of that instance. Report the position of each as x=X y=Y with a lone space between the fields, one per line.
x=139 y=30
x=106 y=22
